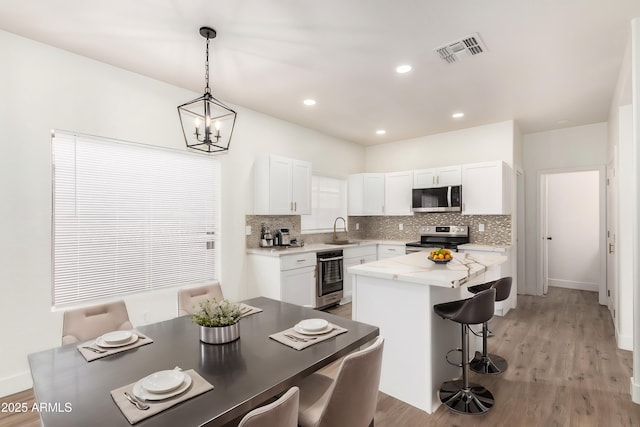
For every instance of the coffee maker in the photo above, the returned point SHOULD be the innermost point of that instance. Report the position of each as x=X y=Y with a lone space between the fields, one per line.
x=283 y=238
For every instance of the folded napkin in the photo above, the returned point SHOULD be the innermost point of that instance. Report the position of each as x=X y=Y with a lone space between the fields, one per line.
x=198 y=386
x=248 y=310
x=90 y=355
x=293 y=339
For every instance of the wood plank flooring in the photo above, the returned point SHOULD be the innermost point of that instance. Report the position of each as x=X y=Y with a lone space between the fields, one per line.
x=564 y=370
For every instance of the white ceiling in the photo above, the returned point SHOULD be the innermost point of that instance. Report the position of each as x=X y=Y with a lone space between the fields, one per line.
x=549 y=63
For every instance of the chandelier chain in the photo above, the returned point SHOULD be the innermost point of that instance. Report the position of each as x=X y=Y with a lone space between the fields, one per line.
x=206 y=70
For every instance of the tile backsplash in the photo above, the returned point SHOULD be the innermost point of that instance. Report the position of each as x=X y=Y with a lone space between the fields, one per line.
x=497 y=228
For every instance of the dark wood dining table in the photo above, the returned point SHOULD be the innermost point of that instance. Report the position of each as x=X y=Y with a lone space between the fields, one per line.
x=245 y=373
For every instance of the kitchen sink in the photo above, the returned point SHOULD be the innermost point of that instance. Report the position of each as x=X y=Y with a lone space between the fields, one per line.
x=341 y=242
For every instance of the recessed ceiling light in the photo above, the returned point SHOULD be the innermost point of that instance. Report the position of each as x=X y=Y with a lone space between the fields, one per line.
x=401 y=69
x=457 y=115
x=309 y=102
x=381 y=132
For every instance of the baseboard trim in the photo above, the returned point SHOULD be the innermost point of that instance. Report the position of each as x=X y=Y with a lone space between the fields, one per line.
x=568 y=284
x=15 y=383
x=635 y=391
x=625 y=342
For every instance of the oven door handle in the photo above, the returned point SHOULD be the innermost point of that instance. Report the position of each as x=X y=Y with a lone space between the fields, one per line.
x=338 y=258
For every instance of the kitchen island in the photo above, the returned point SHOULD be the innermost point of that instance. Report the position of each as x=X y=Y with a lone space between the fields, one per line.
x=398 y=295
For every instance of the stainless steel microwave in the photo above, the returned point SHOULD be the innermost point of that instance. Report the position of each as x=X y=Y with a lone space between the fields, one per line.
x=437 y=199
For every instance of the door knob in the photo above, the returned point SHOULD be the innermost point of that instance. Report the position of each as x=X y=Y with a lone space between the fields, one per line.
x=549 y=238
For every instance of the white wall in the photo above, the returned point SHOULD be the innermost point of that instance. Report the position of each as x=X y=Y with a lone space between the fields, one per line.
x=472 y=145
x=45 y=88
x=563 y=149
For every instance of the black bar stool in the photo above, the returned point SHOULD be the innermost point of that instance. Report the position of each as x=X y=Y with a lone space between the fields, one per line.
x=461 y=395
x=485 y=363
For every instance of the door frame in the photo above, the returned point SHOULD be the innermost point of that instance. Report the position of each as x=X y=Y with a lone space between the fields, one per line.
x=541 y=224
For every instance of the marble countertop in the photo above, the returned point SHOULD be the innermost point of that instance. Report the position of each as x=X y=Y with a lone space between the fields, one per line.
x=317 y=247
x=485 y=248
x=417 y=268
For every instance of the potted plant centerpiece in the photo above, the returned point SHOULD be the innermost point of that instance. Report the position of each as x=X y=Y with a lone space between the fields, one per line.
x=218 y=321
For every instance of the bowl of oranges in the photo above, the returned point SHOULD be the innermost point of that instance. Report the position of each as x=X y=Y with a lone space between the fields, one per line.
x=440 y=256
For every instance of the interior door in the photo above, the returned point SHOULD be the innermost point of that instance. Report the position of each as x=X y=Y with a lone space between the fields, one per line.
x=573 y=251
x=545 y=234
x=612 y=227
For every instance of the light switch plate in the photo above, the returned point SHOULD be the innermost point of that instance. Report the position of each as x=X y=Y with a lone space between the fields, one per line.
x=357 y=226
x=481 y=228
x=247 y=230
x=400 y=227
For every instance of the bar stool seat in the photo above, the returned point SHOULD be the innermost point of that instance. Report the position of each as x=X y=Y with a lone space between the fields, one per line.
x=488 y=363
x=460 y=395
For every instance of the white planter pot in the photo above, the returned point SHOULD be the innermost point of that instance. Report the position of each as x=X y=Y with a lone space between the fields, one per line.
x=219 y=334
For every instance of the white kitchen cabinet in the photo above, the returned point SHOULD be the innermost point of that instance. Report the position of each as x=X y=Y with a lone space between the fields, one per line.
x=486 y=188
x=437 y=177
x=282 y=186
x=288 y=278
x=397 y=193
x=365 y=194
x=390 y=250
x=355 y=256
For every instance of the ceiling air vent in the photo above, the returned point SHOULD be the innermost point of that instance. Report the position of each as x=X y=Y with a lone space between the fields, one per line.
x=459 y=49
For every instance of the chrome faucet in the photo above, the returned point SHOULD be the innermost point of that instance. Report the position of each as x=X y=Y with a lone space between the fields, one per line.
x=335 y=235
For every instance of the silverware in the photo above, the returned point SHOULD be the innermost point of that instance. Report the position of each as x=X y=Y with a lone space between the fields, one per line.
x=134 y=400
x=299 y=339
x=95 y=350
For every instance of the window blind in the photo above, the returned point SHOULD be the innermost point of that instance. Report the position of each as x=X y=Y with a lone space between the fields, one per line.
x=328 y=201
x=129 y=218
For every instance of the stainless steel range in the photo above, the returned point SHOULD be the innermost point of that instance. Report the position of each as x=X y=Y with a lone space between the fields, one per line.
x=440 y=236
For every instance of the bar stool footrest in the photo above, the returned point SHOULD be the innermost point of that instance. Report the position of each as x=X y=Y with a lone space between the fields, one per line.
x=459 y=365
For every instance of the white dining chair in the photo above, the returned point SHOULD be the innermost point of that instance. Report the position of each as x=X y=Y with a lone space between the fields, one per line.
x=189 y=299
x=84 y=323
x=350 y=399
x=281 y=413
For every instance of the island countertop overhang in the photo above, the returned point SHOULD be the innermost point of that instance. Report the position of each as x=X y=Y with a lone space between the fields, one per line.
x=417 y=268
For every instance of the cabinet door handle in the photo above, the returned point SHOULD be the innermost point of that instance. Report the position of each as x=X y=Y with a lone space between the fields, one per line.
x=295 y=206
x=291 y=206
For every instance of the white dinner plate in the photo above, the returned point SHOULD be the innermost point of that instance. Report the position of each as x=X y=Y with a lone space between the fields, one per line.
x=163 y=381
x=139 y=391
x=101 y=343
x=116 y=337
x=303 y=331
x=313 y=325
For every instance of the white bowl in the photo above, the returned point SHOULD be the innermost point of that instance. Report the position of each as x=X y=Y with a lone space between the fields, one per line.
x=163 y=381
x=313 y=325
x=116 y=337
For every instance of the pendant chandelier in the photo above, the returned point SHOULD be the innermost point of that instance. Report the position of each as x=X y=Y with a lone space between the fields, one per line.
x=207 y=123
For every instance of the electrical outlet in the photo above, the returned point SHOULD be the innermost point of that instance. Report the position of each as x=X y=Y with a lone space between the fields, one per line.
x=247 y=230
x=400 y=227
x=481 y=228
x=357 y=226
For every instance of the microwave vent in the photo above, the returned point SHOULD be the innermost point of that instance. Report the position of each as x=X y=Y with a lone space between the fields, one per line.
x=455 y=51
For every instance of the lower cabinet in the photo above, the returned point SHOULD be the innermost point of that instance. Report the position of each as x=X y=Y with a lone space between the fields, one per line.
x=355 y=256
x=288 y=278
x=390 y=250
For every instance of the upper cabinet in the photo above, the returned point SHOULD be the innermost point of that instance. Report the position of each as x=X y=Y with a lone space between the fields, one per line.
x=282 y=186
x=486 y=188
x=365 y=194
x=397 y=193
x=437 y=177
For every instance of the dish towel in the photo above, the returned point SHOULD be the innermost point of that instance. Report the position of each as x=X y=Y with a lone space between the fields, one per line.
x=248 y=310
x=90 y=355
x=198 y=386
x=293 y=339
x=332 y=274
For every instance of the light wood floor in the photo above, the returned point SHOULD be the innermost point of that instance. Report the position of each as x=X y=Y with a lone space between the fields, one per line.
x=564 y=370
